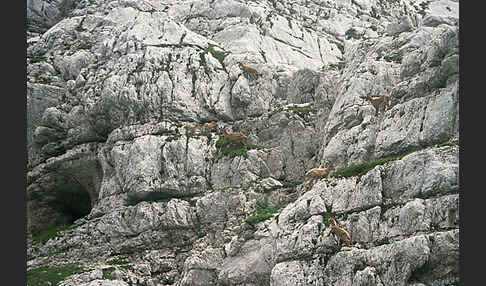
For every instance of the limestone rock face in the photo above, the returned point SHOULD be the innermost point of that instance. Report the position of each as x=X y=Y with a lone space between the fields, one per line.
x=119 y=182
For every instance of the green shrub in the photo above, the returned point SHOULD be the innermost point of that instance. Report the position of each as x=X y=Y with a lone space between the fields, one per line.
x=116 y=261
x=352 y=33
x=36 y=59
x=128 y=267
x=45 y=234
x=287 y=184
x=362 y=168
x=219 y=55
x=397 y=58
x=452 y=143
x=301 y=110
x=52 y=253
x=43 y=274
x=107 y=273
x=263 y=212
x=233 y=149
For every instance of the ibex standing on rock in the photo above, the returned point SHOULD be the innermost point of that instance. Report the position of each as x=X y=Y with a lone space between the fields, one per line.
x=318 y=173
x=341 y=233
x=234 y=137
x=190 y=128
x=380 y=102
x=251 y=71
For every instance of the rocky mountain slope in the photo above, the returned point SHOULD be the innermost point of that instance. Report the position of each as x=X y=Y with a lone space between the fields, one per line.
x=120 y=193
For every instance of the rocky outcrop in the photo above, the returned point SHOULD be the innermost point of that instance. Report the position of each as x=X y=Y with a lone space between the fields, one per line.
x=136 y=198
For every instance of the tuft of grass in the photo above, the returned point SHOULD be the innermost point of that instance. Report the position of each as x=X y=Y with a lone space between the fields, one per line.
x=219 y=55
x=397 y=58
x=339 y=66
x=289 y=21
x=45 y=274
x=128 y=267
x=217 y=245
x=36 y=59
x=381 y=242
x=52 y=253
x=226 y=148
x=139 y=67
x=362 y=168
x=325 y=217
x=340 y=47
x=45 y=234
x=275 y=111
x=262 y=52
x=287 y=184
x=263 y=212
x=107 y=273
x=301 y=110
x=351 y=33
x=452 y=143
x=116 y=261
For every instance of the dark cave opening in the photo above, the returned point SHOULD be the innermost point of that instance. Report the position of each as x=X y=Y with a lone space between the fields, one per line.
x=72 y=201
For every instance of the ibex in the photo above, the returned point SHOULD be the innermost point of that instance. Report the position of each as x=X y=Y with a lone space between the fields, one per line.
x=234 y=137
x=210 y=126
x=318 y=173
x=379 y=102
x=341 y=233
x=251 y=71
x=190 y=128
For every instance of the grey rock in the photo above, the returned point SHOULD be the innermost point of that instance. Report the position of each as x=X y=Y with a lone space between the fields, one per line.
x=41 y=14
x=110 y=85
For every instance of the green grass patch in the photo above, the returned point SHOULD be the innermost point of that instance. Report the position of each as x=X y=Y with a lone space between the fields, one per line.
x=452 y=143
x=37 y=59
x=42 y=275
x=340 y=65
x=381 y=242
x=116 y=261
x=359 y=169
x=340 y=47
x=217 y=245
x=301 y=110
x=225 y=148
x=287 y=184
x=107 y=273
x=351 y=33
x=262 y=52
x=139 y=67
x=219 y=55
x=362 y=168
x=263 y=212
x=325 y=218
x=45 y=234
x=52 y=253
x=233 y=149
x=289 y=21
x=397 y=58
x=128 y=267
x=275 y=111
